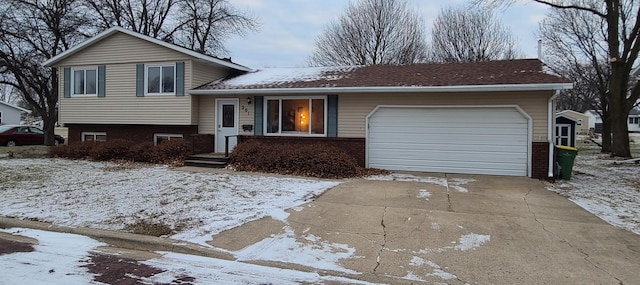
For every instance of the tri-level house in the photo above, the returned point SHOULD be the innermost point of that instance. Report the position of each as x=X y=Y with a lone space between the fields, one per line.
x=481 y=118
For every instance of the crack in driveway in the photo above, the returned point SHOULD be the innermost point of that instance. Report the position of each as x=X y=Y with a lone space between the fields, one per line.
x=586 y=255
x=384 y=237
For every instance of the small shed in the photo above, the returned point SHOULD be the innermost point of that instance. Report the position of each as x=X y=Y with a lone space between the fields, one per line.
x=566 y=130
x=582 y=120
x=10 y=114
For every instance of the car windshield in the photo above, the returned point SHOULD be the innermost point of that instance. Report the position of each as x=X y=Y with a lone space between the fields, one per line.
x=5 y=128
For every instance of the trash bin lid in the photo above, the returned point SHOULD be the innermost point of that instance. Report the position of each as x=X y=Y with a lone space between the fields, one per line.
x=566 y=147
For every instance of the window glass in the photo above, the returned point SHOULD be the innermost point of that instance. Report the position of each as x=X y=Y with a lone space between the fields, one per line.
x=295 y=116
x=167 y=79
x=101 y=138
x=159 y=138
x=153 y=80
x=228 y=118
x=273 y=114
x=78 y=82
x=630 y=120
x=36 y=131
x=91 y=79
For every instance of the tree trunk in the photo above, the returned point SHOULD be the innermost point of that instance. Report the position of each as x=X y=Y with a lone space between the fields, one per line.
x=618 y=111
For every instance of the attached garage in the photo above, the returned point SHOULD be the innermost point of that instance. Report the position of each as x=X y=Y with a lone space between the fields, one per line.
x=473 y=140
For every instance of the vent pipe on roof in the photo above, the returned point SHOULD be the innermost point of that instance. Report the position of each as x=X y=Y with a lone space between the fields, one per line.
x=540 y=50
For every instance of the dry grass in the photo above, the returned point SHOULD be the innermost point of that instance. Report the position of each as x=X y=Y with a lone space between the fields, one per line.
x=29 y=151
x=150 y=229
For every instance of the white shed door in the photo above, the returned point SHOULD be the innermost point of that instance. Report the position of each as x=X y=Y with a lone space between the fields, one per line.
x=475 y=140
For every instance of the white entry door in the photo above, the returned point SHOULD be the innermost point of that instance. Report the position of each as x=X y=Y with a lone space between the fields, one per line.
x=226 y=123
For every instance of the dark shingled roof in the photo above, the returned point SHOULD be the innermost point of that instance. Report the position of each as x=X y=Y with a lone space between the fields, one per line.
x=520 y=71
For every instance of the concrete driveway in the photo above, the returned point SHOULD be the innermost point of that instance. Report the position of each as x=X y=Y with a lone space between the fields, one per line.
x=458 y=229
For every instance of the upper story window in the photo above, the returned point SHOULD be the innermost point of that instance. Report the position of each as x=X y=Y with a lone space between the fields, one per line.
x=296 y=116
x=160 y=79
x=84 y=81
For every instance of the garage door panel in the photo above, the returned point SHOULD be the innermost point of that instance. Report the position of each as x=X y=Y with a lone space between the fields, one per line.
x=432 y=156
x=469 y=168
x=483 y=139
x=456 y=140
x=416 y=148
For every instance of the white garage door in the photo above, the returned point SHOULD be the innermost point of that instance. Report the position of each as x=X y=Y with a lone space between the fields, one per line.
x=474 y=140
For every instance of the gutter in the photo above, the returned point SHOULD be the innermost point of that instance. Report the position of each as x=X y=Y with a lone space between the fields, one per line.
x=388 y=89
x=550 y=123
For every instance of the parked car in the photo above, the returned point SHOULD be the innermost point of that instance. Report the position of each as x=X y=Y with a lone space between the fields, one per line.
x=12 y=135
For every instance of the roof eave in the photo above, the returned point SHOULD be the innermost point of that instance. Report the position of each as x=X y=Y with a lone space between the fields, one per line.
x=16 y=107
x=395 y=89
x=52 y=61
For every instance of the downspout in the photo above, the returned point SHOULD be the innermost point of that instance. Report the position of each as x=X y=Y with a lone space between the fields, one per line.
x=550 y=120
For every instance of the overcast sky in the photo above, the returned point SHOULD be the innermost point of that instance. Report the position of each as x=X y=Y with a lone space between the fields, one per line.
x=289 y=28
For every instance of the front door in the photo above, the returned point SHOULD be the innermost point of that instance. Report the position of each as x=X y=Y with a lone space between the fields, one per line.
x=226 y=124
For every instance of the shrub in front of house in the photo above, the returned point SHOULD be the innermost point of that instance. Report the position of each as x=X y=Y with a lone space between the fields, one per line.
x=173 y=152
x=313 y=159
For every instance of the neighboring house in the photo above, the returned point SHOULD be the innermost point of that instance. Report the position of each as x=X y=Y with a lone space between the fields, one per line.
x=595 y=122
x=634 y=120
x=10 y=114
x=582 y=120
x=482 y=118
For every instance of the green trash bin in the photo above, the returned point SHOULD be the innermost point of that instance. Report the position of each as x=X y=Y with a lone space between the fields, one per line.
x=565 y=155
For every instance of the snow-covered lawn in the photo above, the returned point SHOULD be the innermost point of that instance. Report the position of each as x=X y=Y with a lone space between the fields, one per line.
x=61 y=258
x=111 y=196
x=608 y=190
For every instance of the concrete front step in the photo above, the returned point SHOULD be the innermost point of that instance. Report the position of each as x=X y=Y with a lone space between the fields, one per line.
x=206 y=160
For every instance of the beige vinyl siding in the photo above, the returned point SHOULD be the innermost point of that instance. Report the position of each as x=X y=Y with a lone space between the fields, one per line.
x=204 y=73
x=246 y=115
x=207 y=111
x=122 y=48
x=354 y=108
x=120 y=104
x=207 y=115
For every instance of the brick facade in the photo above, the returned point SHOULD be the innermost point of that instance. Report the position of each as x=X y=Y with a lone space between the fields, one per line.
x=201 y=143
x=540 y=160
x=353 y=146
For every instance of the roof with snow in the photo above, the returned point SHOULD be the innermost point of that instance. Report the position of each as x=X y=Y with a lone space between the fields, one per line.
x=491 y=73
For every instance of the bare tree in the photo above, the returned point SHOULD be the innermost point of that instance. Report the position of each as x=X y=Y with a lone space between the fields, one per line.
x=576 y=48
x=205 y=24
x=148 y=17
x=621 y=20
x=32 y=31
x=372 y=32
x=201 y=25
x=465 y=35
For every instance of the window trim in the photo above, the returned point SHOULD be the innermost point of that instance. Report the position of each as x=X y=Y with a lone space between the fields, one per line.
x=72 y=79
x=94 y=134
x=265 y=107
x=168 y=135
x=161 y=65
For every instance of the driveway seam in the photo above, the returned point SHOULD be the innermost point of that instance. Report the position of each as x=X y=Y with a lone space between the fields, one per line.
x=586 y=255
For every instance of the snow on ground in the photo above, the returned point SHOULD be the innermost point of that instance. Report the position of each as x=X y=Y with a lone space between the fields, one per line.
x=455 y=183
x=284 y=247
x=608 y=190
x=56 y=257
x=60 y=257
x=110 y=196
